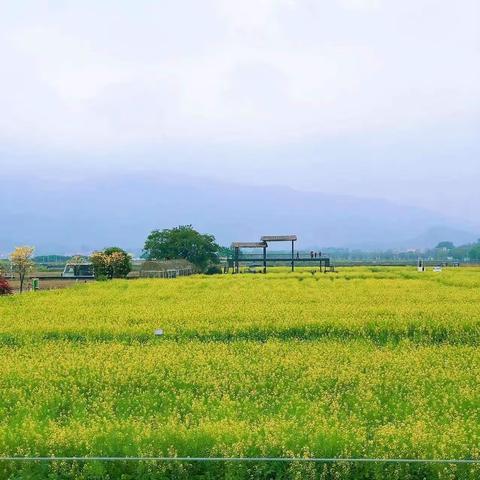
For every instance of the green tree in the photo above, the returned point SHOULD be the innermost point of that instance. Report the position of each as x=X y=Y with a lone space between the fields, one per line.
x=225 y=252
x=445 y=245
x=474 y=252
x=182 y=242
x=111 y=263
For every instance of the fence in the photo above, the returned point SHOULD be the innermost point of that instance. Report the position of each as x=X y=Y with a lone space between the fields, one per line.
x=439 y=461
x=170 y=273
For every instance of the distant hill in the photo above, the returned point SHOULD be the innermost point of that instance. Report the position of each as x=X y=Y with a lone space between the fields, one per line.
x=433 y=236
x=80 y=214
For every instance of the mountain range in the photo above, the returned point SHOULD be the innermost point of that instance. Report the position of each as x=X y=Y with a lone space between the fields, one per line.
x=79 y=214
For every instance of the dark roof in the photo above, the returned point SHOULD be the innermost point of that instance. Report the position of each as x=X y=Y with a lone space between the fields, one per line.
x=279 y=238
x=248 y=244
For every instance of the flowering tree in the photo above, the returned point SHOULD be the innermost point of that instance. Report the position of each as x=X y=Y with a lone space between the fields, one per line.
x=111 y=263
x=22 y=263
x=77 y=260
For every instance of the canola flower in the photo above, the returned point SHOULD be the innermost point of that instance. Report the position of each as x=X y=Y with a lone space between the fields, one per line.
x=365 y=363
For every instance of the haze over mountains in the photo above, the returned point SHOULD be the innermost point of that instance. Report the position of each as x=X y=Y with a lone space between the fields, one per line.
x=80 y=214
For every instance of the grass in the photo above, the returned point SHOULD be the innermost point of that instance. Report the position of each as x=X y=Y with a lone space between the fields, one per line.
x=363 y=363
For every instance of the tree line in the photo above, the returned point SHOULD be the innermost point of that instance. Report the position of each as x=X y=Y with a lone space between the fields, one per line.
x=182 y=242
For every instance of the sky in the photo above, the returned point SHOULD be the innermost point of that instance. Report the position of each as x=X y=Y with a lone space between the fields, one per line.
x=371 y=98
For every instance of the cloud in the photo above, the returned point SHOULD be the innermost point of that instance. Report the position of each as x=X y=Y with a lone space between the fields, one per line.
x=252 y=72
x=363 y=97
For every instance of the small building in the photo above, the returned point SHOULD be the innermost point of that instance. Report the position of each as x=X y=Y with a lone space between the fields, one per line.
x=78 y=270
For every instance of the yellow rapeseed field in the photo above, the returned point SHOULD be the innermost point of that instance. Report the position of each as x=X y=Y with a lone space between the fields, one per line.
x=369 y=362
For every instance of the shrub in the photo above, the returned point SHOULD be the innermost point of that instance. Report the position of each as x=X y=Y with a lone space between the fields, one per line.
x=213 y=270
x=5 y=288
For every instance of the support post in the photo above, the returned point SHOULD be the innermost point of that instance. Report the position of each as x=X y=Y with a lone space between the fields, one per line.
x=293 y=260
x=265 y=259
x=236 y=267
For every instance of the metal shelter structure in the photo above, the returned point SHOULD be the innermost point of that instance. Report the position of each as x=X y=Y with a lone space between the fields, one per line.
x=238 y=257
x=236 y=253
x=280 y=238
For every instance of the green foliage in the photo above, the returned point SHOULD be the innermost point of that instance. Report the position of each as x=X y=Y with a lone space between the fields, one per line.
x=225 y=252
x=474 y=252
x=182 y=242
x=101 y=277
x=445 y=245
x=213 y=270
x=111 y=263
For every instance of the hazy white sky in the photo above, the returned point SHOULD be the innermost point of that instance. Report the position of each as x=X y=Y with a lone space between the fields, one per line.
x=368 y=97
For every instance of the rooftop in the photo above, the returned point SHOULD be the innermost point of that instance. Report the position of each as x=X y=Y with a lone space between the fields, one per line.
x=279 y=238
x=248 y=244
